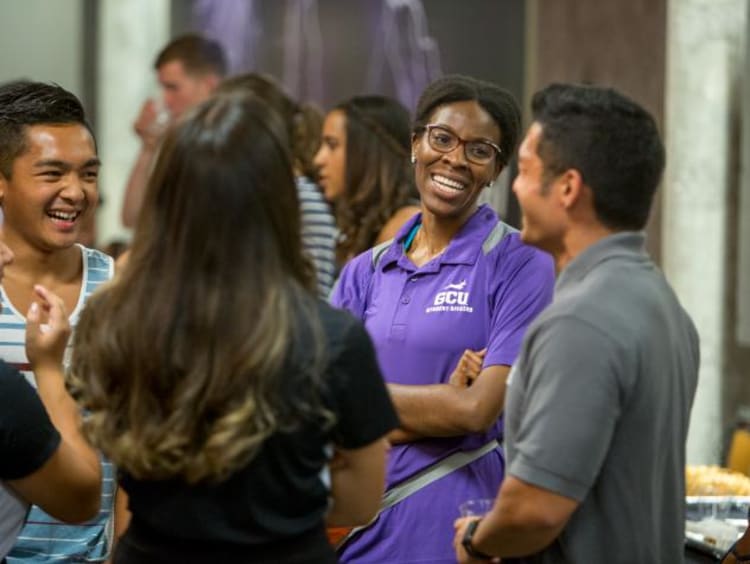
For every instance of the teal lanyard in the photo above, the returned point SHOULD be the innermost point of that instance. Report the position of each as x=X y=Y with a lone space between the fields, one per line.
x=410 y=237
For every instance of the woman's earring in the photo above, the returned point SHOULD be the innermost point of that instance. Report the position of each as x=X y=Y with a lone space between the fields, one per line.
x=413 y=158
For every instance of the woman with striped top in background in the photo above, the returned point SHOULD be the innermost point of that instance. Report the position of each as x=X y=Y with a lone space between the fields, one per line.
x=303 y=124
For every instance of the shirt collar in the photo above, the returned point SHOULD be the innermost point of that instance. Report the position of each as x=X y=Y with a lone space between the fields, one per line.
x=464 y=248
x=624 y=243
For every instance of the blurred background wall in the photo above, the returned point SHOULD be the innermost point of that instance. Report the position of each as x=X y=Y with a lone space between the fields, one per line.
x=43 y=40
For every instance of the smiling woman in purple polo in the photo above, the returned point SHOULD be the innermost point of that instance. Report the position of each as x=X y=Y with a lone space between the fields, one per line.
x=454 y=279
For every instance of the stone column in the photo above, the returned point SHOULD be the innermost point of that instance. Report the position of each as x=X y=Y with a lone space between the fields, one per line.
x=704 y=49
x=130 y=35
x=743 y=240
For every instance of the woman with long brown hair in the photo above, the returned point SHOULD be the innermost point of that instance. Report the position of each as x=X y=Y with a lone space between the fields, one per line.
x=212 y=375
x=364 y=171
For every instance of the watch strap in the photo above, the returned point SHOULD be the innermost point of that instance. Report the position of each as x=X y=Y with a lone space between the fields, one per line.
x=466 y=542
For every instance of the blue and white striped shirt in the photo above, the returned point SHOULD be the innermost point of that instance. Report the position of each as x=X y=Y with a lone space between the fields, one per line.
x=319 y=233
x=44 y=538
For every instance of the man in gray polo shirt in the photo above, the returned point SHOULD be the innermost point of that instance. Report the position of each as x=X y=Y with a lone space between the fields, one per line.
x=599 y=401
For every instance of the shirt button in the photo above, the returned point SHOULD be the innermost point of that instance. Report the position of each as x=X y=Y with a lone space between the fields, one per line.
x=405 y=300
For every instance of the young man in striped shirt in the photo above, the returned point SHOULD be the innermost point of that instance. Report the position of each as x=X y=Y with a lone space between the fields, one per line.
x=48 y=187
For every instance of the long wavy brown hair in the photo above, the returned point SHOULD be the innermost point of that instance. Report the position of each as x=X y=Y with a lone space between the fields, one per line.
x=209 y=340
x=379 y=178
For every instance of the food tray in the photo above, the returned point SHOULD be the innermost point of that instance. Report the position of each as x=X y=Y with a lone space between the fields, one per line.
x=713 y=523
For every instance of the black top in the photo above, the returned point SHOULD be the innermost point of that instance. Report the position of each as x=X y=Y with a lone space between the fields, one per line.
x=27 y=436
x=280 y=494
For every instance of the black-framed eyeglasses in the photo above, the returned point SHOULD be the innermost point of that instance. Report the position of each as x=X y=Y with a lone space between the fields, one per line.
x=443 y=140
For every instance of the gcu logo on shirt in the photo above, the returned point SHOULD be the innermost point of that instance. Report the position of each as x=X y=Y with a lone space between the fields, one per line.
x=452 y=298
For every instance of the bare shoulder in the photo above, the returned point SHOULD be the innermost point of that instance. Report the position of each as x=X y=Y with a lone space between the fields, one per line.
x=395 y=223
x=122 y=260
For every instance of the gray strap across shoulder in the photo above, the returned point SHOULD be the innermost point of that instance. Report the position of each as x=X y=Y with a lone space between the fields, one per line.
x=424 y=478
x=497 y=234
x=378 y=251
x=432 y=473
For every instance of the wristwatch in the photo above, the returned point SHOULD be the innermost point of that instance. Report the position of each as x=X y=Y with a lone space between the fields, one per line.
x=466 y=542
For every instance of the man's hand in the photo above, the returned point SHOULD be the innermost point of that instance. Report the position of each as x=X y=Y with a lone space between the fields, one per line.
x=150 y=124
x=460 y=527
x=46 y=342
x=468 y=368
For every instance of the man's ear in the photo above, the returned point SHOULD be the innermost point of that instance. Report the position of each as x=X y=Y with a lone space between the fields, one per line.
x=212 y=81
x=572 y=188
x=3 y=186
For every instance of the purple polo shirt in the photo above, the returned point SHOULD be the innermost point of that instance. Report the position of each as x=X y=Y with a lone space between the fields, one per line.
x=422 y=319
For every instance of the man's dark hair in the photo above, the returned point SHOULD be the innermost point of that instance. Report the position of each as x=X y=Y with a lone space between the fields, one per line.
x=198 y=55
x=24 y=103
x=610 y=140
x=499 y=103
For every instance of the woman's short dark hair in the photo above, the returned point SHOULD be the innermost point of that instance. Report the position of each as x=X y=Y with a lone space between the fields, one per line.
x=497 y=102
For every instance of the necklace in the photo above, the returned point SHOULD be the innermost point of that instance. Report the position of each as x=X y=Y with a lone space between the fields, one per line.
x=417 y=255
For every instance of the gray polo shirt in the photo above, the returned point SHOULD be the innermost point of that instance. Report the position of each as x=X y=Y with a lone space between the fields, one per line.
x=598 y=407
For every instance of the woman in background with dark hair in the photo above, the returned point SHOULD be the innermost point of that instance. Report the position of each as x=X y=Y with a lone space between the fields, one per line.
x=211 y=374
x=453 y=279
x=364 y=171
x=303 y=124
